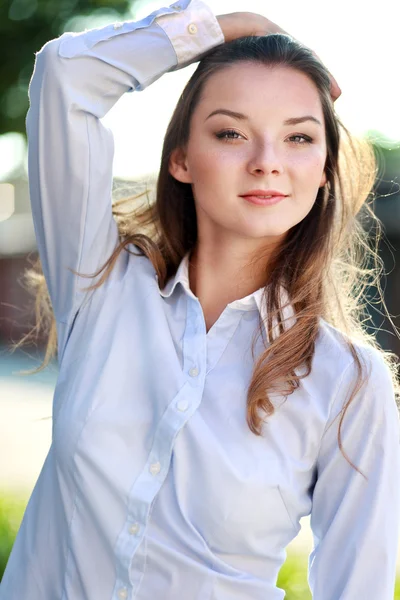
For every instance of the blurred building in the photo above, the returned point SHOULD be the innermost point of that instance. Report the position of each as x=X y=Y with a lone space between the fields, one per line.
x=387 y=209
x=17 y=240
x=18 y=252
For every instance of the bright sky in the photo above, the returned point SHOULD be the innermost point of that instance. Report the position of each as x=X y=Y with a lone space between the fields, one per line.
x=358 y=41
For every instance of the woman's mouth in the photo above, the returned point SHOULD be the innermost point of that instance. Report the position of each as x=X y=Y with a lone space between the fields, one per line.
x=264 y=200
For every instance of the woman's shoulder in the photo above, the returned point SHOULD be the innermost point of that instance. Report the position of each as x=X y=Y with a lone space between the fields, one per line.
x=334 y=346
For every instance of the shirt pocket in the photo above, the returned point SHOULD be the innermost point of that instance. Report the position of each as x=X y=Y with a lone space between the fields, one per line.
x=251 y=516
x=261 y=513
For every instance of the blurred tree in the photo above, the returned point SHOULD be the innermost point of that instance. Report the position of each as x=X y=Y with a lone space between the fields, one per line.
x=25 y=26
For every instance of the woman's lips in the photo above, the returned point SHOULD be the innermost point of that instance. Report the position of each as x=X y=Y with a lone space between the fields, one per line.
x=264 y=201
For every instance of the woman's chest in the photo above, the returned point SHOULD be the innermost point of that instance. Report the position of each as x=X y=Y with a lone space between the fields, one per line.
x=238 y=492
x=142 y=405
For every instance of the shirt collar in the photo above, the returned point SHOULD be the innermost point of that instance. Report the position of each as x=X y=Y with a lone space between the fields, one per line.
x=254 y=301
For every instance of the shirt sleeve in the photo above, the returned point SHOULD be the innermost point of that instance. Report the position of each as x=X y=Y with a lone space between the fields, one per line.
x=77 y=79
x=355 y=522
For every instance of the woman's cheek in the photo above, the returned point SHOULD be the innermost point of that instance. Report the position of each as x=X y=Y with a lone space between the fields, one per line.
x=216 y=166
x=309 y=167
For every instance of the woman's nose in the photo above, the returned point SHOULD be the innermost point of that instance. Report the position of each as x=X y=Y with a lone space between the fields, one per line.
x=266 y=160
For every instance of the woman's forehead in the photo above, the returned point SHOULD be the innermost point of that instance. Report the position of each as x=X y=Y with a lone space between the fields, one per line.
x=253 y=88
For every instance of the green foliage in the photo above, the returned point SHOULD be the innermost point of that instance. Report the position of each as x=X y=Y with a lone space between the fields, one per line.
x=11 y=512
x=293 y=577
x=25 y=26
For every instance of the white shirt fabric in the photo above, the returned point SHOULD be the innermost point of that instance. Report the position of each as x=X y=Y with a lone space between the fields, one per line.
x=154 y=486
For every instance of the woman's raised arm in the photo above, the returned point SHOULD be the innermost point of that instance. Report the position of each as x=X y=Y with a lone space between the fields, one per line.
x=77 y=79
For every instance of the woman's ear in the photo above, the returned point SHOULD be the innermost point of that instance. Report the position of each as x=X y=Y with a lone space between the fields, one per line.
x=178 y=167
x=323 y=180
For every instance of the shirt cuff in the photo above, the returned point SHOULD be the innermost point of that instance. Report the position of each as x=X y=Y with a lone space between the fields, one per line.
x=194 y=33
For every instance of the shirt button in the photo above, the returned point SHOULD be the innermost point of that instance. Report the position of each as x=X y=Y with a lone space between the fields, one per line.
x=122 y=593
x=134 y=529
x=193 y=372
x=182 y=405
x=155 y=468
x=118 y=25
x=192 y=28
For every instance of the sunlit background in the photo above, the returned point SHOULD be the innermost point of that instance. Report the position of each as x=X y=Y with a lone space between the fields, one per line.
x=358 y=41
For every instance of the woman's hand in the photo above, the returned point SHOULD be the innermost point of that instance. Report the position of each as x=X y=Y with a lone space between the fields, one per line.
x=241 y=24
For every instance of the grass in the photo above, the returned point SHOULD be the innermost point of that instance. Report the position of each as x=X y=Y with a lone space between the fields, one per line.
x=11 y=513
x=292 y=576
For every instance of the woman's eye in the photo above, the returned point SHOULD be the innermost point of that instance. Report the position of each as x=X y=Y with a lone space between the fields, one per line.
x=300 y=139
x=228 y=135
x=231 y=134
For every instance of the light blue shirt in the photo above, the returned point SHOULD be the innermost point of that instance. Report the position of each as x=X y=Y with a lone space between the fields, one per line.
x=154 y=487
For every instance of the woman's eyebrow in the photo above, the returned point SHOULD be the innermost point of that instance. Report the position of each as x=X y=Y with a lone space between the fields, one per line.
x=229 y=113
x=297 y=120
x=241 y=117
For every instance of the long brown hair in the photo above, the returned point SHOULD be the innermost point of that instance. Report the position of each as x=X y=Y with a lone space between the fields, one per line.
x=326 y=262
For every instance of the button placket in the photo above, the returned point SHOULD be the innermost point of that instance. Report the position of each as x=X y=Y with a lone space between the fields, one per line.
x=147 y=485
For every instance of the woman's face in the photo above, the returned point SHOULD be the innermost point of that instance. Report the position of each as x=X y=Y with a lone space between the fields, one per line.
x=278 y=143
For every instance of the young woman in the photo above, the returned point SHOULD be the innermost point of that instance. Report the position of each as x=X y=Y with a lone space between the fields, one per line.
x=215 y=382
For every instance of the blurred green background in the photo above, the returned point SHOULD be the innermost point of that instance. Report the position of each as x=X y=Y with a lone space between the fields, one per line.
x=364 y=63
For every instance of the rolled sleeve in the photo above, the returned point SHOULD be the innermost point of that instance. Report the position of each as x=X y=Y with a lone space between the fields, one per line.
x=190 y=26
x=195 y=34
